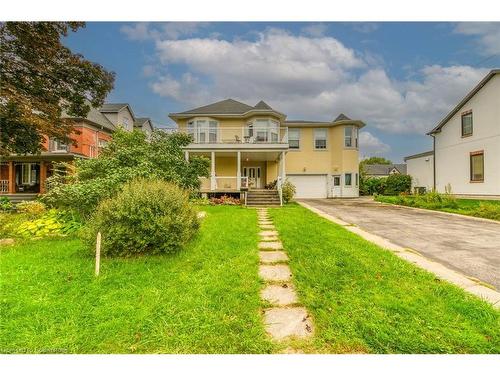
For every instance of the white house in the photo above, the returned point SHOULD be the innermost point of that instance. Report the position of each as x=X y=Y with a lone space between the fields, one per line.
x=467 y=143
x=421 y=169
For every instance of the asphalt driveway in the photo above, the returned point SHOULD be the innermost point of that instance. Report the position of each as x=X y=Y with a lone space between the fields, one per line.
x=464 y=244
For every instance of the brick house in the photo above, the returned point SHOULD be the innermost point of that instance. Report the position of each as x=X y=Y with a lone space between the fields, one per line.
x=24 y=176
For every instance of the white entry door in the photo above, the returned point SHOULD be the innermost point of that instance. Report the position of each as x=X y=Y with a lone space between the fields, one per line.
x=253 y=174
x=336 y=187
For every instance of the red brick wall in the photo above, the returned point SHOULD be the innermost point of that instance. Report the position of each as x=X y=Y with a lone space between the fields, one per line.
x=87 y=141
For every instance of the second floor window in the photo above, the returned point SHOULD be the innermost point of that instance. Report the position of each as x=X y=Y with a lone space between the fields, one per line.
x=294 y=138
x=320 y=139
x=203 y=131
x=57 y=145
x=467 y=124
x=351 y=136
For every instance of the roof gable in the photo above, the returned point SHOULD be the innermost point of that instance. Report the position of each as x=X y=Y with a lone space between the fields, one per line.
x=342 y=117
x=464 y=101
x=227 y=106
x=262 y=105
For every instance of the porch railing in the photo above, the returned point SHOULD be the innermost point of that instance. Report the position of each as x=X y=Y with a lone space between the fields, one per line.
x=223 y=183
x=238 y=135
x=4 y=186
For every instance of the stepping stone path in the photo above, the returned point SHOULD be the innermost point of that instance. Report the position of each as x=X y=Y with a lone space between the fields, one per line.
x=286 y=318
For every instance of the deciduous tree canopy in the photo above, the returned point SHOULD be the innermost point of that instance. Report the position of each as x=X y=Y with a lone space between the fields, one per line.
x=41 y=80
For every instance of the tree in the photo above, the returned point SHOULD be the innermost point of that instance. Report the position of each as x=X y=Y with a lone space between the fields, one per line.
x=41 y=80
x=128 y=156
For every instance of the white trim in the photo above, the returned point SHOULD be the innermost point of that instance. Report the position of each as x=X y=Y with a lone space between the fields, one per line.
x=315 y=138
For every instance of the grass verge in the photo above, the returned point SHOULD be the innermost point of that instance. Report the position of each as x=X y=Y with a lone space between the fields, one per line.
x=487 y=209
x=365 y=299
x=204 y=299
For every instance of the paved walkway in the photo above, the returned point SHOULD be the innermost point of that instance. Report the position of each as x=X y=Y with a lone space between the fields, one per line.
x=460 y=249
x=285 y=318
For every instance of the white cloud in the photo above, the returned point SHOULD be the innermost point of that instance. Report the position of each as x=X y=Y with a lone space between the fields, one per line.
x=315 y=30
x=487 y=32
x=371 y=146
x=310 y=78
x=165 y=30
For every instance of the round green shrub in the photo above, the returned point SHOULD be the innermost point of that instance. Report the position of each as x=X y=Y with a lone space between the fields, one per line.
x=288 y=191
x=145 y=217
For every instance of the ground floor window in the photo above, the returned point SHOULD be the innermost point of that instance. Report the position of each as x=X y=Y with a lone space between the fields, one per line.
x=348 y=179
x=477 y=166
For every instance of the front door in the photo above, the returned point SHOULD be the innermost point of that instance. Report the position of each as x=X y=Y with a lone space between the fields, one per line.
x=253 y=174
x=336 y=188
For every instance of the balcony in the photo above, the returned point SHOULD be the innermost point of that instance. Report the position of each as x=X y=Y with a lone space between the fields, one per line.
x=239 y=135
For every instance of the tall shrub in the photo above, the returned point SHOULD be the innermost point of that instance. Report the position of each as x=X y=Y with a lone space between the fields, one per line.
x=129 y=155
x=145 y=217
x=397 y=183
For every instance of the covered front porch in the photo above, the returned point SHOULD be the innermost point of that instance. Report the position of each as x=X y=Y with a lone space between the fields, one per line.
x=233 y=171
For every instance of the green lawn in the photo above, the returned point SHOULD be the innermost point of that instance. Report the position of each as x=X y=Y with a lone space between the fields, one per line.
x=469 y=207
x=365 y=299
x=202 y=300
x=206 y=298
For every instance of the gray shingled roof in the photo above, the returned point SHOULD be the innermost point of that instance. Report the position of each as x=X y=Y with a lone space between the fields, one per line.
x=227 y=106
x=97 y=118
x=341 y=117
x=113 y=107
x=262 y=105
x=383 y=169
x=140 y=121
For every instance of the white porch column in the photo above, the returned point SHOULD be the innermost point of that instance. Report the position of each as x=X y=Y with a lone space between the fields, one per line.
x=186 y=155
x=238 y=171
x=282 y=172
x=213 y=181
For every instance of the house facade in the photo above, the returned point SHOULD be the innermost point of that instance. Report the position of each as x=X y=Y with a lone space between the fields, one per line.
x=251 y=147
x=421 y=169
x=384 y=170
x=24 y=176
x=467 y=143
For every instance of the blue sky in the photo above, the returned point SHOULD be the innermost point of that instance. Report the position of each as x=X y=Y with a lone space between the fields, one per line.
x=399 y=78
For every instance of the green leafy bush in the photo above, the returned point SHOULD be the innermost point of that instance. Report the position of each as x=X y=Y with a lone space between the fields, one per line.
x=372 y=185
x=6 y=204
x=32 y=208
x=145 y=217
x=397 y=183
x=51 y=223
x=128 y=156
x=288 y=191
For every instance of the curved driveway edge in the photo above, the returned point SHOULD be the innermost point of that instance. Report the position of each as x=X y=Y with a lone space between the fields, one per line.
x=331 y=210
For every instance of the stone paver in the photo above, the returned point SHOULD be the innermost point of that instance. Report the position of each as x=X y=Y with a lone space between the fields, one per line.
x=267 y=227
x=276 y=272
x=269 y=238
x=283 y=322
x=268 y=233
x=273 y=256
x=277 y=245
x=279 y=295
x=286 y=319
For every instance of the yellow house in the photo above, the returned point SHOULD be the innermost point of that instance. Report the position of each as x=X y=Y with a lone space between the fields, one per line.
x=251 y=147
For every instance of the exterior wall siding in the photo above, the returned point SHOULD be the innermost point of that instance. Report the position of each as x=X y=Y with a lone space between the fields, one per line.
x=452 y=151
x=421 y=170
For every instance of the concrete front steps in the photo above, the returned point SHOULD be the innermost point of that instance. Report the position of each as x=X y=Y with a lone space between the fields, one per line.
x=263 y=198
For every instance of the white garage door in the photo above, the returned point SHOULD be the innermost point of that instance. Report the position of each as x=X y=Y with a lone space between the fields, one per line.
x=309 y=186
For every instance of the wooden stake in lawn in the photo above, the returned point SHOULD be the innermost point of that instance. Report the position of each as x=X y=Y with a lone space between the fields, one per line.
x=98 y=254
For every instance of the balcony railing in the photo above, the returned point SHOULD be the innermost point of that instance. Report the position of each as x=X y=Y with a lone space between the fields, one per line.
x=237 y=135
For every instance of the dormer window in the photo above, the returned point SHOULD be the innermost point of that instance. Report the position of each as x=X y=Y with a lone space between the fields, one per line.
x=467 y=124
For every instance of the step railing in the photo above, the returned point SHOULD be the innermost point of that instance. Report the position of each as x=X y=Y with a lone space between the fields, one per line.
x=279 y=184
x=4 y=186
